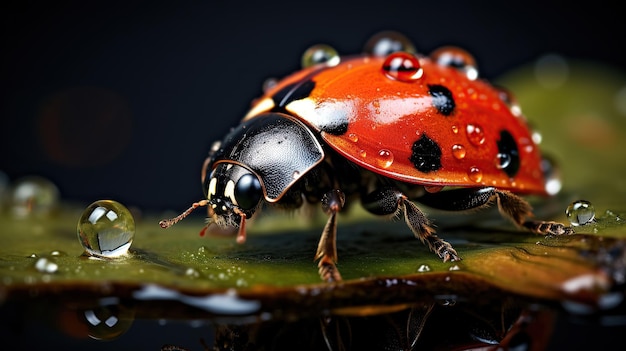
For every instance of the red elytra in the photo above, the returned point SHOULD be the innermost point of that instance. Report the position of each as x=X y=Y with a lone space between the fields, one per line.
x=386 y=117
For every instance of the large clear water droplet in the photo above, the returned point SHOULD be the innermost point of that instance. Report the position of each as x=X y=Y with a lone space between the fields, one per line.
x=580 y=212
x=106 y=229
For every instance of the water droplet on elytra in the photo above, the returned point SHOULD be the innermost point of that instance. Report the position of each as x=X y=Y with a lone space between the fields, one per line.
x=320 y=53
x=503 y=160
x=455 y=129
x=106 y=229
x=353 y=137
x=552 y=176
x=580 y=212
x=458 y=151
x=475 y=174
x=402 y=66
x=475 y=134
x=450 y=56
x=363 y=153
x=384 y=158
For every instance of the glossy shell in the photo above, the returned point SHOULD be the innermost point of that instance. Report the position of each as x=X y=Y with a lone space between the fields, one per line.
x=415 y=120
x=271 y=139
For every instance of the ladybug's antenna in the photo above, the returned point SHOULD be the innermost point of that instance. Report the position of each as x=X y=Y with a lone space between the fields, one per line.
x=166 y=223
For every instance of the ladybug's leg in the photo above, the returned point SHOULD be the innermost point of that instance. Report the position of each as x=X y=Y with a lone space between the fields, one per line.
x=517 y=209
x=509 y=204
x=332 y=203
x=388 y=200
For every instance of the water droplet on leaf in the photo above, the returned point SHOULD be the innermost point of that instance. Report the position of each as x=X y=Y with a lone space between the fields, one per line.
x=106 y=229
x=580 y=212
x=45 y=265
x=33 y=195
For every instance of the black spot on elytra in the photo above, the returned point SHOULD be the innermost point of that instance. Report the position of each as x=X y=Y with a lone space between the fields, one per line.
x=293 y=92
x=442 y=99
x=509 y=154
x=426 y=154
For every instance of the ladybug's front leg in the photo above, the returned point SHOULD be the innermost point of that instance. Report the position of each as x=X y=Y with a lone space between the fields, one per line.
x=332 y=203
x=388 y=200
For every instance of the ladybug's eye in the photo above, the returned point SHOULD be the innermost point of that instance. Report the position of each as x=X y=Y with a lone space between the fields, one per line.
x=248 y=191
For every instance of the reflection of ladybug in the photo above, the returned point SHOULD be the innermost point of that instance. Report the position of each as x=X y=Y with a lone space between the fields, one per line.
x=388 y=126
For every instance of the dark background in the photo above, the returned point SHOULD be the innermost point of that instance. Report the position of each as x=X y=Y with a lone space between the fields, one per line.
x=122 y=100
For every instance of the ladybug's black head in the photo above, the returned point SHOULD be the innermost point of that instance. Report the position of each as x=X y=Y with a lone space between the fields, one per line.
x=232 y=192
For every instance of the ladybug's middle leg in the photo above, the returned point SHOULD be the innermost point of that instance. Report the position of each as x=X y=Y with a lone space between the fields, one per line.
x=388 y=200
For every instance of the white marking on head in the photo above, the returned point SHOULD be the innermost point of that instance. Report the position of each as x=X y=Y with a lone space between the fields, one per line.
x=212 y=187
x=229 y=192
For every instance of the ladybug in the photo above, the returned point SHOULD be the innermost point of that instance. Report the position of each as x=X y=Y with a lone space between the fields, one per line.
x=388 y=127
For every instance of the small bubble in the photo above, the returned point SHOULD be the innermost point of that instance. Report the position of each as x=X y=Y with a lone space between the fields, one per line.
x=475 y=134
x=475 y=174
x=509 y=99
x=503 y=160
x=192 y=272
x=455 y=268
x=45 y=265
x=106 y=229
x=363 y=153
x=385 y=158
x=580 y=212
x=424 y=268
x=455 y=129
x=450 y=56
x=268 y=84
x=537 y=137
x=353 y=137
x=387 y=42
x=552 y=176
x=320 y=53
x=458 y=151
x=33 y=195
